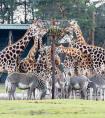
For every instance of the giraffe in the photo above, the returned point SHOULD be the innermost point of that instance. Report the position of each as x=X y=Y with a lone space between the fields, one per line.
x=28 y=64
x=10 y=54
x=43 y=62
x=29 y=61
x=75 y=58
x=95 y=53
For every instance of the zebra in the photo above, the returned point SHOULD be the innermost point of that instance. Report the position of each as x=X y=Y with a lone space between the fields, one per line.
x=97 y=86
x=74 y=83
x=25 y=81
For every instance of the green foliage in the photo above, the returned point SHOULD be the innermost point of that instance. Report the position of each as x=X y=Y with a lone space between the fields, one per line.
x=66 y=9
x=7 y=8
x=100 y=26
x=80 y=10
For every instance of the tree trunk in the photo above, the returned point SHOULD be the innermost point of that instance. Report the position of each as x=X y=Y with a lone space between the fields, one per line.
x=93 y=29
x=10 y=38
x=2 y=14
x=25 y=15
x=8 y=17
x=53 y=66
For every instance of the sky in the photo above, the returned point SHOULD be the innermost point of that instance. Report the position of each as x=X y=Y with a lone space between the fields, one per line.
x=94 y=0
x=100 y=2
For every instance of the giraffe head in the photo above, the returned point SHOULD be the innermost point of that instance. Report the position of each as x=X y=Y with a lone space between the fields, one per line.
x=68 y=38
x=37 y=28
x=77 y=30
x=73 y=24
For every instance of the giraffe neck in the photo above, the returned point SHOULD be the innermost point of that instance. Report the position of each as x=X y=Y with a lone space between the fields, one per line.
x=86 y=50
x=33 y=50
x=22 y=43
x=39 y=42
x=73 y=52
x=79 y=35
x=10 y=54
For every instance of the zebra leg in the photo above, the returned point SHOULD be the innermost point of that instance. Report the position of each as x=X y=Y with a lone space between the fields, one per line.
x=101 y=94
x=104 y=95
x=83 y=93
x=29 y=93
x=69 y=92
x=43 y=94
x=96 y=94
x=33 y=94
x=74 y=94
x=11 y=92
x=90 y=93
x=9 y=96
x=13 y=96
x=66 y=91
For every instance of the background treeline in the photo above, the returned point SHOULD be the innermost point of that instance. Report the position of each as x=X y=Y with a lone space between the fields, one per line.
x=90 y=18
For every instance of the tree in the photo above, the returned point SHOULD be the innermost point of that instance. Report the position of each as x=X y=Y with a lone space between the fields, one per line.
x=81 y=10
x=100 y=25
x=7 y=8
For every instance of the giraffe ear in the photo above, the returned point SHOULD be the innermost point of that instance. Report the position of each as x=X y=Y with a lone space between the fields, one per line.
x=34 y=21
x=76 y=22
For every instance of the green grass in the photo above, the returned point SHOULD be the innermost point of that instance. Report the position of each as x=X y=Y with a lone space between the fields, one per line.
x=52 y=109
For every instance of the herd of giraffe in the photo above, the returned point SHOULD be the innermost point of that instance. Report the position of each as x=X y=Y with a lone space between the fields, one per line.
x=83 y=58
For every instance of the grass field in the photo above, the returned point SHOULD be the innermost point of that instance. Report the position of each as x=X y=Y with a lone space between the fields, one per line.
x=52 y=109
